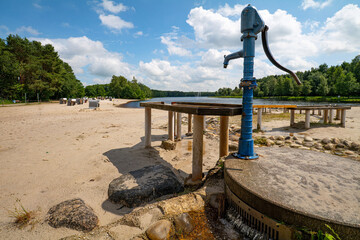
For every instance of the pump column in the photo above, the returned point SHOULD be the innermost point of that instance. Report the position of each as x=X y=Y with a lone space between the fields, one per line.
x=246 y=143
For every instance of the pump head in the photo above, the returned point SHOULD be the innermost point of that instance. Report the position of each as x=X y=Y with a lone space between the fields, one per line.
x=251 y=25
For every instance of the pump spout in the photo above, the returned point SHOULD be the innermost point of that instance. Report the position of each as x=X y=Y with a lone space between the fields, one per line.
x=232 y=56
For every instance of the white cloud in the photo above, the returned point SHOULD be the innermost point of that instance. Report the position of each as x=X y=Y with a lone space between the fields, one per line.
x=138 y=34
x=212 y=30
x=84 y=54
x=314 y=4
x=174 y=47
x=227 y=11
x=38 y=6
x=342 y=31
x=114 y=22
x=113 y=7
x=24 y=29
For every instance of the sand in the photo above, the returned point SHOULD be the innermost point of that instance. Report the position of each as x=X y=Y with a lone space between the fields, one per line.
x=50 y=153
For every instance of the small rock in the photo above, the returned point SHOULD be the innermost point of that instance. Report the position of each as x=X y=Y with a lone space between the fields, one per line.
x=168 y=145
x=280 y=143
x=329 y=146
x=340 y=145
x=183 y=223
x=304 y=148
x=308 y=139
x=288 y=141
x=294 y=145
x=272 y=138
x=318 y=146
x=287 y=138
x=233 y=138
x=233 y=146
x=335 y=140
x=339 y=153
x=74 y=214
x=280 y=138
x=269 y=142
x=188 y=134
x=349 y=152
x=308 y=144
x=347 y=143
x=159 y=231
x=295 y=138
x=238 y=129
x=355 y=146
x=326 y=140
x=298 y=142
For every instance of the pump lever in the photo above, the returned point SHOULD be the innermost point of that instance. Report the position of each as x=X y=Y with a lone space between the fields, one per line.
x=271 y=58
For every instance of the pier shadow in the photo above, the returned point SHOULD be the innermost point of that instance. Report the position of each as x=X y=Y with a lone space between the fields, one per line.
x=299 y=127
x=133 y=158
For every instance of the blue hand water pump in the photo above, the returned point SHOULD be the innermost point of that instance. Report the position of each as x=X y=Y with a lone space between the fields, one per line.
x=251 y=25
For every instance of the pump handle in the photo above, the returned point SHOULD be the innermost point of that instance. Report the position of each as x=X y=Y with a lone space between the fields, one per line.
x=271 y=58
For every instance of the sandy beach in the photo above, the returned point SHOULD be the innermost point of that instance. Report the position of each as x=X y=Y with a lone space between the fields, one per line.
x=50 y=153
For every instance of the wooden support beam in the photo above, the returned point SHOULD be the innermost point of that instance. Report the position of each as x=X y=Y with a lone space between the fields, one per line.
x=343 y=116
x=197 y=159
x=224 y=136
x=189 y=123
x=259 y=116
x=331 y=113
x=326 y=115
x=313 y=112
x=337 y=117
x=175 y=124
x=147 y=127
x=292 y=117
x=319 y=112
x=307 y=119
x=171 y=125
x=178 y=128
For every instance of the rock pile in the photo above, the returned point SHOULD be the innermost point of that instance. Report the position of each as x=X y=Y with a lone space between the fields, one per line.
x=336 y=146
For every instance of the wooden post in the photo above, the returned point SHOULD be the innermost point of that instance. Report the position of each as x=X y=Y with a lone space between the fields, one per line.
x=307 y=119
x=284 y=111
x=269 y=110
x=331 y=113
x=313 y=112
x=300 y=111
x=175 y=124
x=326 y=114
x=259 y=115
x=171 y=125
x=147 y=127
x=319 y=112
x=197 y=148
x=343 y=115
x=224 y=136
x=337 y=117
x=292 y=117
x=204 y=117
x=178 y=129
x=189 y=123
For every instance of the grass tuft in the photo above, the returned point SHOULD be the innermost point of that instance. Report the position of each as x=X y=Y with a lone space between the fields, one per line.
x=22 y=217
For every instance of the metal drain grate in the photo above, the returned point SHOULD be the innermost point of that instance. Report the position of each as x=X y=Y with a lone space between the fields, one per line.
x=270 y=228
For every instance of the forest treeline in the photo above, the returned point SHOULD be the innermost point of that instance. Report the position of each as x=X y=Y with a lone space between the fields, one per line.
x=28 y=67
x=343 y=80
x=35 y=69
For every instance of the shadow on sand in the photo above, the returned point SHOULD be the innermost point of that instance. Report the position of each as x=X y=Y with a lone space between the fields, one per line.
x=134 y=158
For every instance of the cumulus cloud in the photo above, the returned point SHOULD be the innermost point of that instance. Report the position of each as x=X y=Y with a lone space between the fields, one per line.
x=173 y=44
x=314 y=4
x=84 y=54
x=114 y=22
x=342 y=31
x=28 y=29
x=227 y=11
x=113 y=7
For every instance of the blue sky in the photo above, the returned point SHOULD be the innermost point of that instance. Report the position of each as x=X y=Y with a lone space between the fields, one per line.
x=179 y=45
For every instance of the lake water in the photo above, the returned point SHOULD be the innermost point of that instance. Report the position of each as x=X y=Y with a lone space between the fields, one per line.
x=168 y=100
